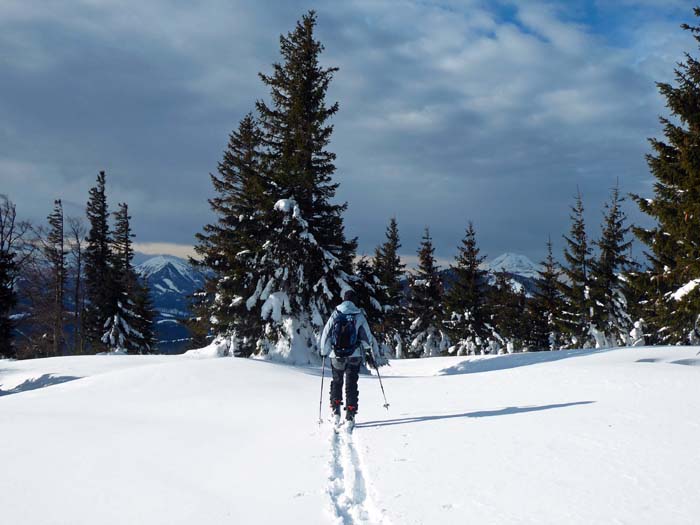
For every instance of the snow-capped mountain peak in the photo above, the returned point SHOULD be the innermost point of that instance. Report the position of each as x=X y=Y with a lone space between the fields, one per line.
x=159 y=263
x=514 y=263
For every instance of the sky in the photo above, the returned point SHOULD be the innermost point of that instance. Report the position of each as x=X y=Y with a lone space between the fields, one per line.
x=451 y=111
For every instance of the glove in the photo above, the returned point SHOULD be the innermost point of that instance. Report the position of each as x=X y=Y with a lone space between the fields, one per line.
x=369 y=357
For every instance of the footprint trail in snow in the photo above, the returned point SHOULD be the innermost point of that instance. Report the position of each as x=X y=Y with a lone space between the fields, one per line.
x=347 y=487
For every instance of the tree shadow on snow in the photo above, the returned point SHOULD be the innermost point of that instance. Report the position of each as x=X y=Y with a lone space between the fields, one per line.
x=39 y=382
x=507 y=361
x=483 y=413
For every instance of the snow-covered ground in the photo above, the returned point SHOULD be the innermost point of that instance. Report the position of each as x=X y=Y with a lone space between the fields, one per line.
x=561 y=437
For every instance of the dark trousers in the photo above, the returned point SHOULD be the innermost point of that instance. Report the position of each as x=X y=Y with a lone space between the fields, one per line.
x=345 y=370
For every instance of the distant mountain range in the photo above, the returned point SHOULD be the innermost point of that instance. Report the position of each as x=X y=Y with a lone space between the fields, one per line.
x=172 y=281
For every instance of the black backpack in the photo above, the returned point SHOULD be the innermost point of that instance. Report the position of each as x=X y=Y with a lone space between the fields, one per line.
x=344 y=334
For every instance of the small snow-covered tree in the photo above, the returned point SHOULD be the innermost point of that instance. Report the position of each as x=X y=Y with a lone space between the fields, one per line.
x=506 y=308
x=547 y=306
x=425 y=305
x=55 y=254
x=391 y=272
x=467 y=307
x=128 y=327
x=608 y=281
x=576 y=285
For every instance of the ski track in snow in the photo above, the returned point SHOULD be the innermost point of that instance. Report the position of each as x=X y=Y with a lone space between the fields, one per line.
x=347 y=487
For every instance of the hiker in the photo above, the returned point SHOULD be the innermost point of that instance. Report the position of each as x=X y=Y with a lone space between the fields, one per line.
x=345 y=337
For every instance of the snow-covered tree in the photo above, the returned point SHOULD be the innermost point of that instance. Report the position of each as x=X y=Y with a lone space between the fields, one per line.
x=546 y=307
x=124 y=327
x=55 y=254
x=466 y=301
x=504 y=330
x=228 y=247
x=391 y=271
x=608 y=280
x=670 y=289
x=11 y=233
x=575 y=285
x=98 y=277
x=425 y=305
x=299 y=283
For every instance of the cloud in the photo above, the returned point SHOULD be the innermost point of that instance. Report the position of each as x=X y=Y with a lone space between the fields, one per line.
x=165 y=248
x=450 y=111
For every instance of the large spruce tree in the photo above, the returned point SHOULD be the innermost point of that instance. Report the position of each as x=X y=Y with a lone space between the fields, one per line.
x=304 y=261
x=391 y=271
x=576 y=285
x=98 y=277
x=425 y=305
x=670 y=288
x=466 y=300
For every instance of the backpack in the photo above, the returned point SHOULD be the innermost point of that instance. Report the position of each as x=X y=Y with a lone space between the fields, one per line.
x=344 y=334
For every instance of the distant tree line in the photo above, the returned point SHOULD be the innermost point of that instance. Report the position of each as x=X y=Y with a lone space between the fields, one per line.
x=69 y=286
x=278 y=259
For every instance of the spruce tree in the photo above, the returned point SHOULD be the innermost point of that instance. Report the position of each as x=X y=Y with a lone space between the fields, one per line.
x=304 y=261
x=670 y=288
x=9 y=235
x=391 y=271
x=608 y=281
x=8 y=301
x=425 y=304
x=575 y=287
x=143 y=322
x=123 y=329
x=466 y=301
x=98 y=278
x=297 y=134
x=505 y=314
x=547 y=306
x=228 y=247
x=55 y=253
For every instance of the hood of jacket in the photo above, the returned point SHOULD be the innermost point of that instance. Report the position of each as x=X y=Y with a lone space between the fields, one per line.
x=348 y=307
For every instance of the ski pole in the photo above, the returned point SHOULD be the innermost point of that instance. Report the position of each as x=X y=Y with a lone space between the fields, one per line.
x=386 y=403
x=320 y=401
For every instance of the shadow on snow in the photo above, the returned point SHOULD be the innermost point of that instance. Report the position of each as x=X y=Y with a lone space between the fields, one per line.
x=507 y=361
x=39 y=382
x=482 y=413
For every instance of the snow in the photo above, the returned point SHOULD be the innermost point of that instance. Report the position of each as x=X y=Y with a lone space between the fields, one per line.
x=570 y=437
x=685 y=290
x=171 y=285
x=156 y=264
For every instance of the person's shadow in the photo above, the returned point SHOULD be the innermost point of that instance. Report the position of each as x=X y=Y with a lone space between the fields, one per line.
x=482 y=413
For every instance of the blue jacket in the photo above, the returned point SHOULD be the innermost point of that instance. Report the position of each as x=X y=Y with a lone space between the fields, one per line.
x=364 y=336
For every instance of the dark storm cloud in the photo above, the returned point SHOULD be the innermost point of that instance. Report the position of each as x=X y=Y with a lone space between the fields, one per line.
x=450 y=111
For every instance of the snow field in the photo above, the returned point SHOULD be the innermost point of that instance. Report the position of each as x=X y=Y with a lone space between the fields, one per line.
x=557 y=437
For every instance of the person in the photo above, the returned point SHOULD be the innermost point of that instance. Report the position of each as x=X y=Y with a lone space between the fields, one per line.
x=344 y=339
